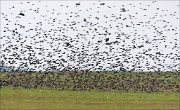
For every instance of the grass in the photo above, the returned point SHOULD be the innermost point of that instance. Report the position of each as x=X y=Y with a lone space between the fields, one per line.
x=43 y=99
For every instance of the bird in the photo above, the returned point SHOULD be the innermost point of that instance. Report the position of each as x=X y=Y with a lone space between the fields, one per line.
x=22 y=14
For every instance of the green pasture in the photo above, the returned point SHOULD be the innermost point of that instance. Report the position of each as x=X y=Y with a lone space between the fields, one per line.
x=44 y=99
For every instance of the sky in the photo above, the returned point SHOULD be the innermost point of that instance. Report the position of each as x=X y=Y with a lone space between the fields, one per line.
x=105 y=35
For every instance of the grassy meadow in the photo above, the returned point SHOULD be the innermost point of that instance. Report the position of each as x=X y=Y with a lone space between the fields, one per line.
x=43 y=99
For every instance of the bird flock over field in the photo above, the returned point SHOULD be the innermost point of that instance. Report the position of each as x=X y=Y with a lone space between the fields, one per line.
x=90 y=35
x=94 y=81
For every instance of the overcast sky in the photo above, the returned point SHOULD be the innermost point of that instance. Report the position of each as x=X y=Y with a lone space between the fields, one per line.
x=142 y=34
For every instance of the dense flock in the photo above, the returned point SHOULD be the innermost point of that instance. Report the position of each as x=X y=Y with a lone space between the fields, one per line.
x=94 y=81
x=95 y=35
x=124 y=46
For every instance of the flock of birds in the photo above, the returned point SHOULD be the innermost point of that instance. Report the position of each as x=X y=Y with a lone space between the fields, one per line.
x=98 y=81
x=89 y=35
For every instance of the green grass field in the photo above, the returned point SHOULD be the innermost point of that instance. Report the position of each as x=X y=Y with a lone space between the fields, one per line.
x=41 y=99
